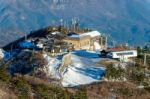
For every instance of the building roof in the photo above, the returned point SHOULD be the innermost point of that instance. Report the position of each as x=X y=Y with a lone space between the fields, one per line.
x=118 y=49
x=82 y=35
x=92 y=34
x=73 y=35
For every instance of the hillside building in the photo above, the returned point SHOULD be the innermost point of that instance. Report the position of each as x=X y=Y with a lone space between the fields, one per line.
x=121 y=54
x=87 y=41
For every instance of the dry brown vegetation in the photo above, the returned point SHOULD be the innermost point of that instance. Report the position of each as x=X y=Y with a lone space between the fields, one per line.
x=119 y=90
x=6 y=92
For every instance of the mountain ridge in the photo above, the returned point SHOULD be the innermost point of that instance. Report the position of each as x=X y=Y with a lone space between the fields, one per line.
x=115 y=18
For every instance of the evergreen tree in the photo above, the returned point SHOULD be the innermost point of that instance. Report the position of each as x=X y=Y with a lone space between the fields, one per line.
x=4 y=75
x=139 y=50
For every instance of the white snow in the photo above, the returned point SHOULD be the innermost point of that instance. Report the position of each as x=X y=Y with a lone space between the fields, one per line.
x=54 y=33
x=2 y=53
x=83 y=69
x=52 y=67
x=40 y=45
x=140 y=87
x=75 y=36
x=97 y=46
x=92 y=34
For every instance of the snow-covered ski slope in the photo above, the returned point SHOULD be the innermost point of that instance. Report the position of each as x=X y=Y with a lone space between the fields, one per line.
x=83 y=69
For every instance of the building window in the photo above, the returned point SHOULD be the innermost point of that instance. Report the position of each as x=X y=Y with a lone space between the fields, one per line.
x=124 y=53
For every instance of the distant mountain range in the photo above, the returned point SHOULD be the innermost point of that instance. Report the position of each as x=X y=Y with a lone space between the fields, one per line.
x=125 y=21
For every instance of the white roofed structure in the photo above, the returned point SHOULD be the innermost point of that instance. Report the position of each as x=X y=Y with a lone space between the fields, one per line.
x=122 y=54
x=92 y=40
x=91 y=34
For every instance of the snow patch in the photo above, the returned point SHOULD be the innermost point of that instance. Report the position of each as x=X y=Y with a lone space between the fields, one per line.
x=52 y=69
x=83 y=70
x=92 y=34
x=2 y=53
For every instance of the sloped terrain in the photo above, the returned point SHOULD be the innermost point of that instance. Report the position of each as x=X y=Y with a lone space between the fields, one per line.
x=83 y=69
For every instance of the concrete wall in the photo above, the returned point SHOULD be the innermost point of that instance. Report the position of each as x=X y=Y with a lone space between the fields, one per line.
x=87 y=42
x=66 y=61
x=83 y=43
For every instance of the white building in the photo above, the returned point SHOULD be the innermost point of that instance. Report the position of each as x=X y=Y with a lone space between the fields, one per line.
x=122 y=55
x=89 y=40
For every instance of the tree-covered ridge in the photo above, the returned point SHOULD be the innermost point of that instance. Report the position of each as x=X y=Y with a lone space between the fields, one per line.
x=31 y=87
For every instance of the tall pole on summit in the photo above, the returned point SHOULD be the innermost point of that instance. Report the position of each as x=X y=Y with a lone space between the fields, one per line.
x=106 y=38
x=25 y=37
x=145 y=58
x=61 y=22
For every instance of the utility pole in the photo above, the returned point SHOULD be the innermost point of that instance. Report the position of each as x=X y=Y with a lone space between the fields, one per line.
x=11 y=50
x=145 y=57
x=106 y=38
x=25 y=37
x=114 y=43
x=101 y=40
x=61 y=22
x=12 y=47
